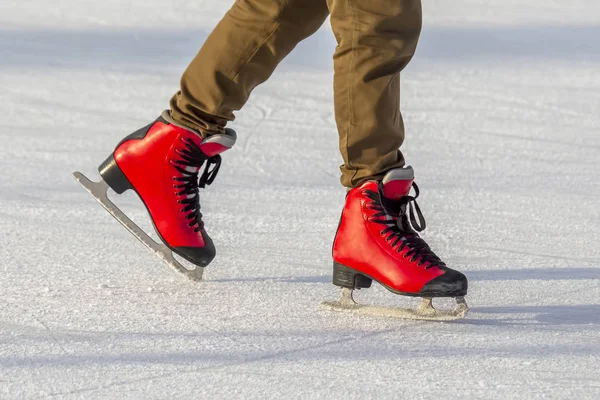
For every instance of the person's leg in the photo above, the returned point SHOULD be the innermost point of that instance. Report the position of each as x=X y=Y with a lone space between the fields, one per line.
x=377 y=239
x=376 y=40
x=241 y=53
x=167 y=161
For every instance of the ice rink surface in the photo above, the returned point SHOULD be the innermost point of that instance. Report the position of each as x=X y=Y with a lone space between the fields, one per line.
x=501 y=106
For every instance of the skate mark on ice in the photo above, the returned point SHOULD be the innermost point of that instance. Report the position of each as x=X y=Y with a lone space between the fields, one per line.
x=40 y=321
x=582 y=314
x=278 y=279
x=267 y=112
x=529 y=253
x=544 y=274
x=221 y=366
x=264 y=113
x=526 y=304
x=585 y=146
x=517 y=105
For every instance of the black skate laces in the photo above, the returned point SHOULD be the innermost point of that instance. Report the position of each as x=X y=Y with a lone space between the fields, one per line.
x=189 y=184
x=399 y=231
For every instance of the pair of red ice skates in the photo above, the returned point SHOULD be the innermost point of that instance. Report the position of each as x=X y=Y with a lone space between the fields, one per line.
x=166 y=164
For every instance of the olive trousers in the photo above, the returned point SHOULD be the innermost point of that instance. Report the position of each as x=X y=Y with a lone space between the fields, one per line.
x=375 y=40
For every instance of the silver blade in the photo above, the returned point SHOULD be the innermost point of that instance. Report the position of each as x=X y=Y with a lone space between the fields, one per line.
x=99 y=191
x=425 y=311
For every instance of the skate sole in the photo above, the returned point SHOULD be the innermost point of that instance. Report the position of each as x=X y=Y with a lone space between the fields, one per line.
x=99 y=190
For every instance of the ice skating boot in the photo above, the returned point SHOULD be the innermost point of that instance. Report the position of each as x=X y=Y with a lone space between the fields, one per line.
x=161 y=163
x=377 y=240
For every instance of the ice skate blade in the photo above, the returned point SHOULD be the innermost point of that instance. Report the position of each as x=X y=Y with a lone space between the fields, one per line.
x=425 y=311
x=99 y=191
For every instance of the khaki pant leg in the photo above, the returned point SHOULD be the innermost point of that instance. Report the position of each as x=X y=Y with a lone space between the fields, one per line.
x=376 y=40
x=241 y=53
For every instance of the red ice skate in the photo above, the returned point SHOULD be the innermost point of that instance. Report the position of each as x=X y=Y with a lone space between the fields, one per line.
x=161 y=163
x=377 y=240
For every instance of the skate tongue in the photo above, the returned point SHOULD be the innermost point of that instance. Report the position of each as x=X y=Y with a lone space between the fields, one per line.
x=397 y=183
x=395 y=186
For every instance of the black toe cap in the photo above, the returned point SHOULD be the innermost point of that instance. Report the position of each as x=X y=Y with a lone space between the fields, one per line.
x=200 y=256
x=451 y=284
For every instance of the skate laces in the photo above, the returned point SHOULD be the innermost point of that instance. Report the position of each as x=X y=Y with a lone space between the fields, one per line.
x=192 y=159
x=403 y=219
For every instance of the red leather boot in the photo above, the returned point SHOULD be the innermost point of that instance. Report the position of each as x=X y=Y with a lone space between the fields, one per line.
x=377 y=240
x=161 y=163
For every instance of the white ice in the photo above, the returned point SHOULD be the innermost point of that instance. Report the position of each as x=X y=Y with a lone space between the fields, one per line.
x=501 y=106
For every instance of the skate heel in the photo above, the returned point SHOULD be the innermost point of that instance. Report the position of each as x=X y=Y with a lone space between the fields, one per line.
x=113 y=176
x=349 y=278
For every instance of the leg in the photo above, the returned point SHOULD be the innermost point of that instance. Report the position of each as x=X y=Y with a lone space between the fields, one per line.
x=377 y=238
x=241 y=53
x=162 y=161
x=376 y=40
